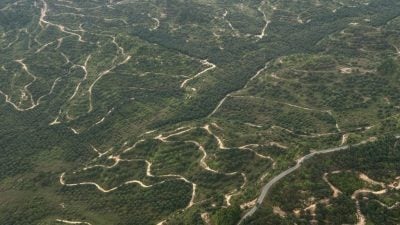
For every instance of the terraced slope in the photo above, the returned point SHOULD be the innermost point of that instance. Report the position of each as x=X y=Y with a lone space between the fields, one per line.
x=179 y=112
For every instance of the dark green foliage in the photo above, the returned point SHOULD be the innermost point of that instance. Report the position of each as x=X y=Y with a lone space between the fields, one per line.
x=227 y=216
x=82 y=81
x=376 y=159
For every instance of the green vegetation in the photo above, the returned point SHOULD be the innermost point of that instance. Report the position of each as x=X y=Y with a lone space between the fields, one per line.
x=306 y=195
x=117 y=112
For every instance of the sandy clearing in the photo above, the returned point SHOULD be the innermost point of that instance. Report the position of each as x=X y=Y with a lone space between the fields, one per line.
x=164 y=222
x=299 y=20
x=365 y=178
x=278 y=211
x=206 y=218
x=249 y=204
x=345 y=70
x=344 y=139
x=235 y=192
x=229 y=196
x=395 y=185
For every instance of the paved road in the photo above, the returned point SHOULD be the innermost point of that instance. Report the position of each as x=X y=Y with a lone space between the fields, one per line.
x=274 y=180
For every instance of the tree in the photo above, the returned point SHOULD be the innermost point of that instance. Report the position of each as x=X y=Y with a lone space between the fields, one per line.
x=227 y=216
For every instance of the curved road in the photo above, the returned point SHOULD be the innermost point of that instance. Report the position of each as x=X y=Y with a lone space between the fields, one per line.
x=274 y=180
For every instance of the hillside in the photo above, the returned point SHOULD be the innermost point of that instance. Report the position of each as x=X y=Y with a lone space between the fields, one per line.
x=126 y=112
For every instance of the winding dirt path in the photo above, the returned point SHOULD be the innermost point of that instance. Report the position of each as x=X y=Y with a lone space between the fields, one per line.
x=43 y=22
x=219 y=140
x=84 y=68
x=335 y=190
x=210 y=66
x=360 y=216
x=236 y=33
x=101 y=75
x=25 y=92
x=365 y=178
x=203 y=162
x=157 y=23
x=312 y=135
x=267 y=21
x=245 y=86
x=178 y=131
x=283 y=174
x=118 y=159
x=104 y=117
x=72 y=222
